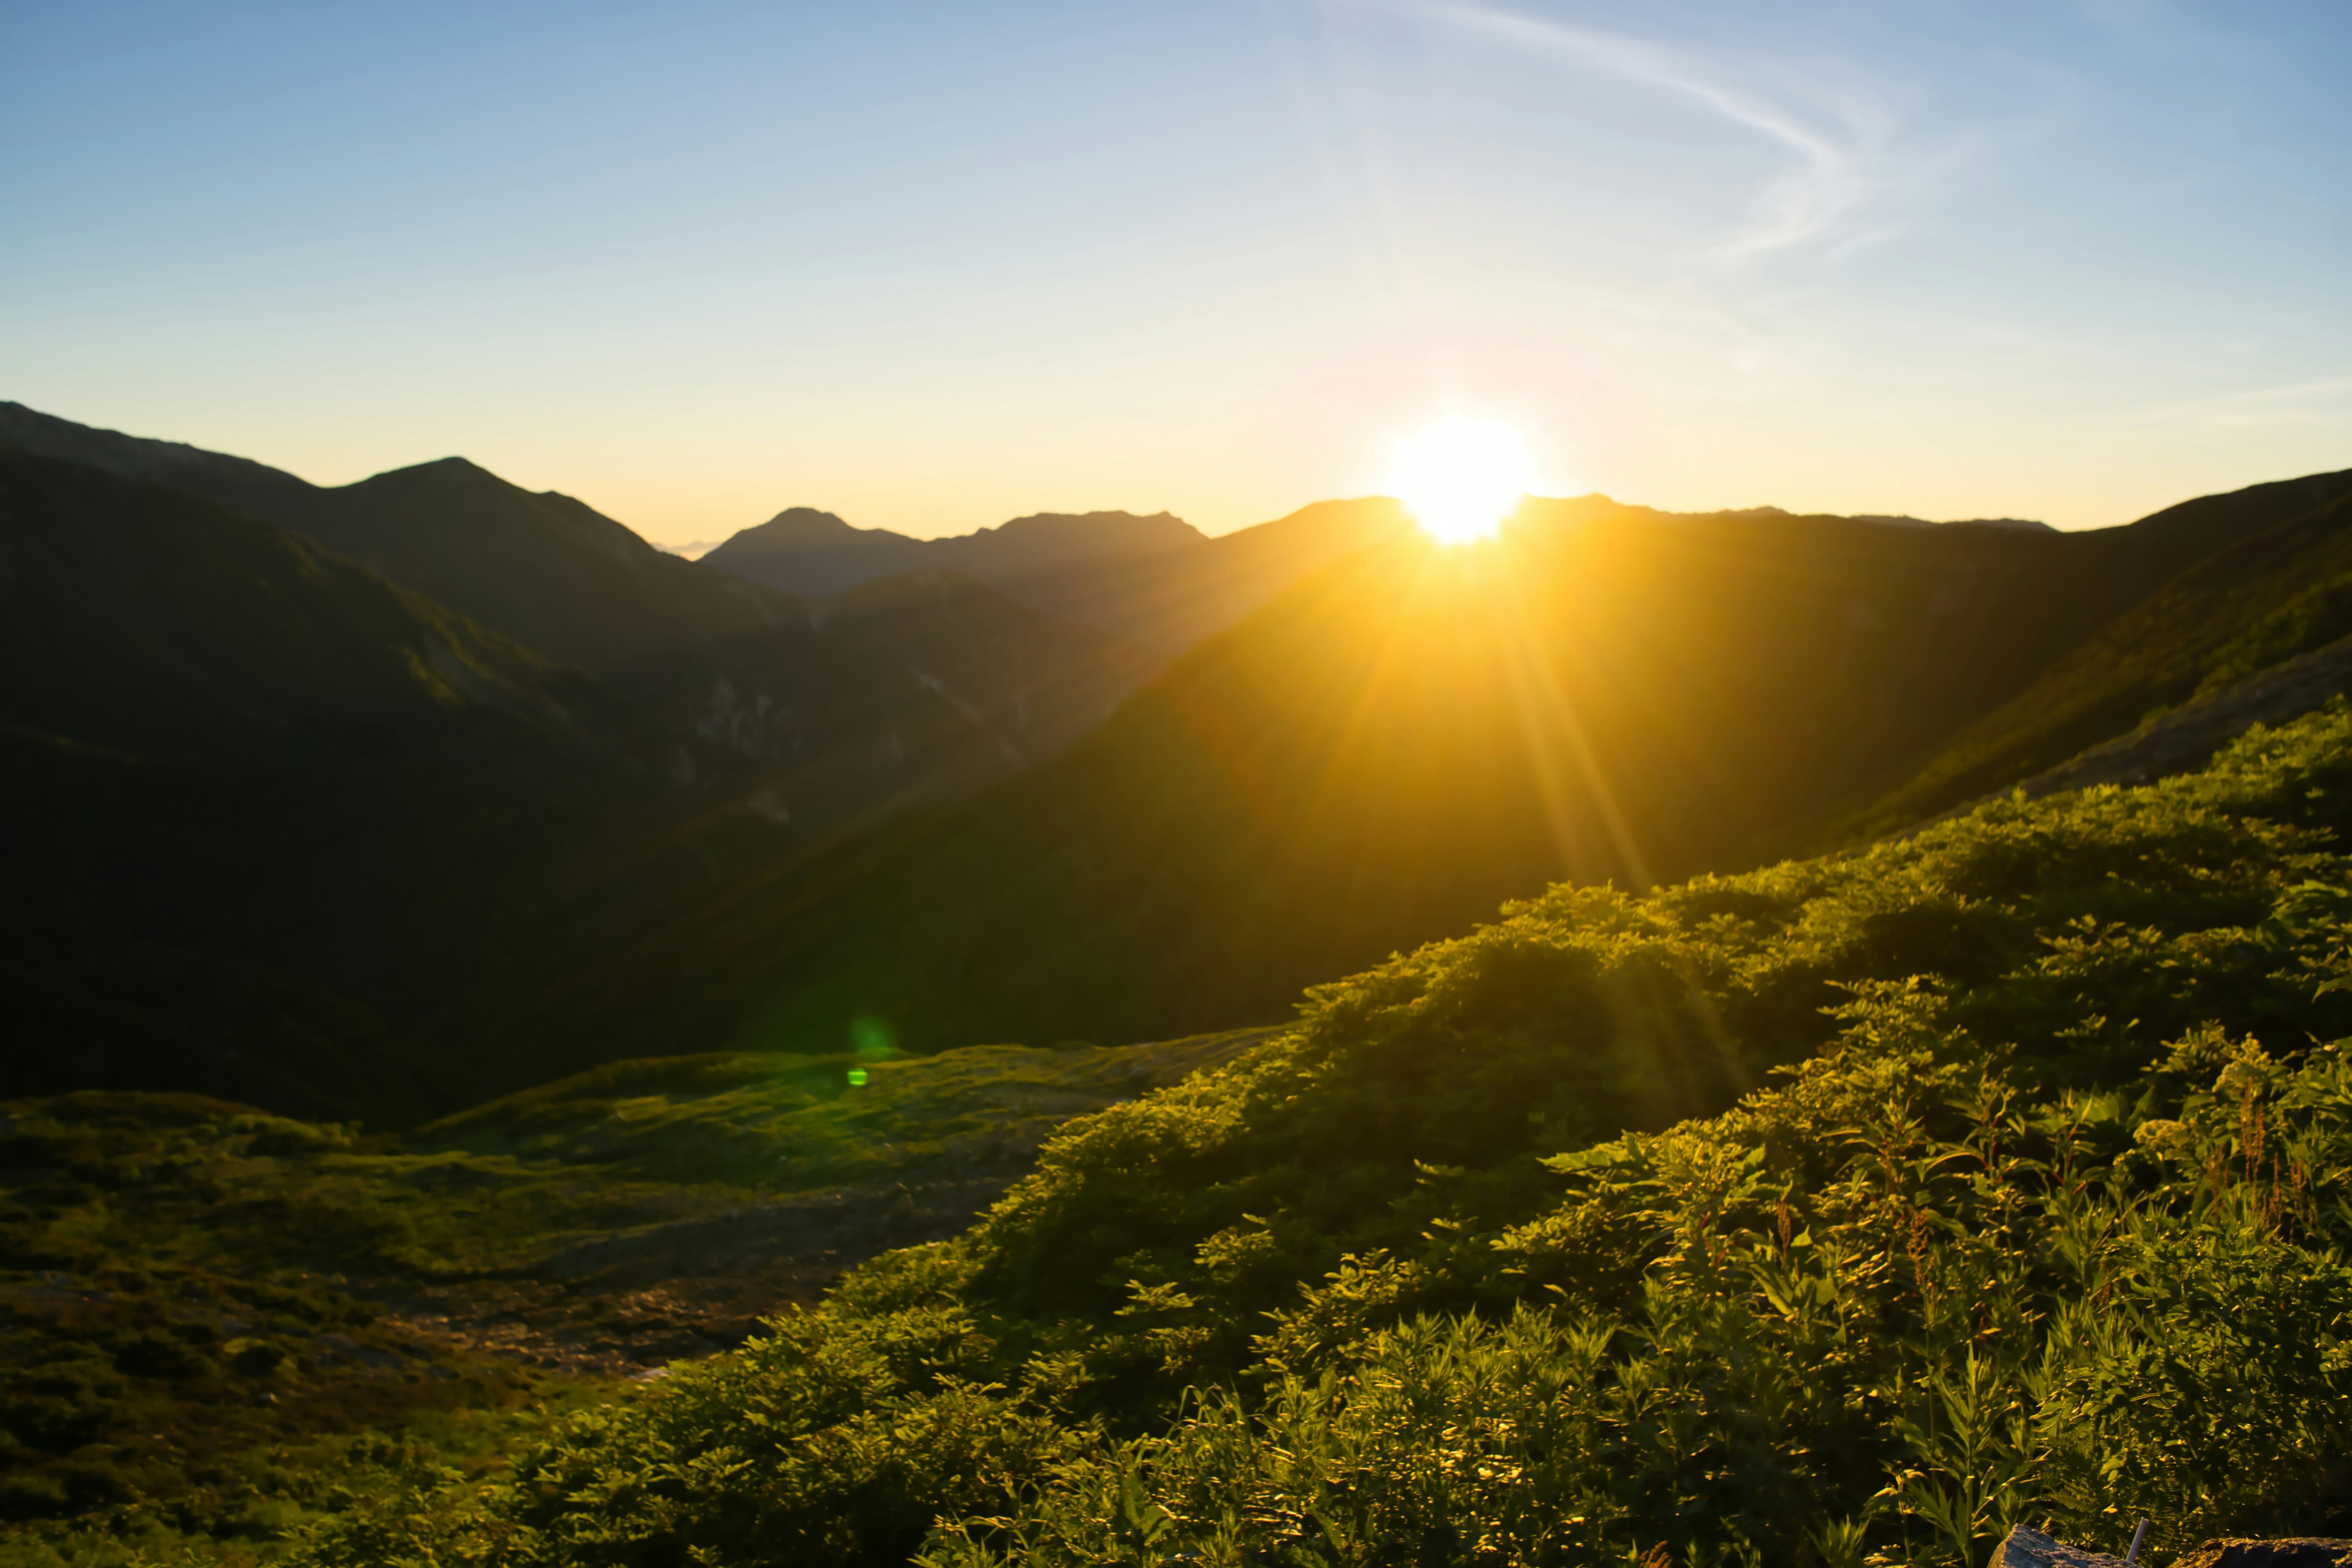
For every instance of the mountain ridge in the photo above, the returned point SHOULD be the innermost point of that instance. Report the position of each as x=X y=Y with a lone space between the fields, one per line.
x=1392 y=748
x=541 y=567
x=814 y=554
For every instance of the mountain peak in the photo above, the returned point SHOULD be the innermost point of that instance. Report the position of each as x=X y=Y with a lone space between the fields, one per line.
x=805 y=523
x=451 y=468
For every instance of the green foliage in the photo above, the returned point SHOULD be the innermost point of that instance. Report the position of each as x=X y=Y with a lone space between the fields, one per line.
x=2002 y=1173
x=2312 y=618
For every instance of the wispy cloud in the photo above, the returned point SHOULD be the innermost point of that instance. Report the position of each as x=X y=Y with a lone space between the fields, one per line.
x=1836 y=165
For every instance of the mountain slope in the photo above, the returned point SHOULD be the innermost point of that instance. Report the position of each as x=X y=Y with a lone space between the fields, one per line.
x=238 y=483
x=259 y=804
x=251 y=778
x=815 y=554
x=143 y=622
x=907 y=692
x=1170 y=601
x=919 y=687
x=2282 y=585
x=1384 y=754
x=544 y=569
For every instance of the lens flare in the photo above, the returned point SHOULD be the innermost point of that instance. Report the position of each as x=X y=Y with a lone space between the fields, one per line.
x=1461 y=477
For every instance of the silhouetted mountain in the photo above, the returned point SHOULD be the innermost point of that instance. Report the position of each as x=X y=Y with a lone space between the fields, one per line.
x=243 y=766
x=153 y=625
x=1150 y=580
x=257 y=798
x=544 y=569
x=1384 y=753
x=815 y=712
x=815 y=554
x=239 y=483
x=1899 y=519
x=1170 y=601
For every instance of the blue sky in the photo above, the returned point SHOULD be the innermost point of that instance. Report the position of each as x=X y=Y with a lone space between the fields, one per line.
x=931 y=267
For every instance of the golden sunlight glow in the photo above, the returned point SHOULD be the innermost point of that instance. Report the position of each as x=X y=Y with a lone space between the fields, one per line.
x=1461 y=477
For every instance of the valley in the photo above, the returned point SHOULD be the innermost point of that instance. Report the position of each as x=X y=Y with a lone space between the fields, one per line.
x=507 y=1023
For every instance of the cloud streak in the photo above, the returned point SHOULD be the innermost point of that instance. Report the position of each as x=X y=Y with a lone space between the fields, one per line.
x=1832 y=178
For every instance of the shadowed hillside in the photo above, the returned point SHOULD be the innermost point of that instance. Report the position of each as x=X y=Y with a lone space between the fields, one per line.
x=142 y=621
x=1383 y=754
x=251 y=779
x=546 y=570
x=255 y=794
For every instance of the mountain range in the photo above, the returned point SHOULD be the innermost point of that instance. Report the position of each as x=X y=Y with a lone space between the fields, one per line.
x=1406 y=740
x=814 y=554
x=467 y=787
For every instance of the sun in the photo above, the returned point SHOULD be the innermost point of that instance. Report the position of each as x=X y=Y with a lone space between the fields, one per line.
x=1461 y=477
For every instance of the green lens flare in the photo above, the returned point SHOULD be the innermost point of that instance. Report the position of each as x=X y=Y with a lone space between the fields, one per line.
x=857 y=1078
x=871 y=1039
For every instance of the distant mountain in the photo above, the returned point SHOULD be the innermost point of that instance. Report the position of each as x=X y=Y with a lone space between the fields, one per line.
x=151 y=625
x=1384 y=753
x=1899 y=520
x=916 y=687
x=1154 y=582
x=818 y=713
x=544 y=569
x=1171 y=601
x=815 y=554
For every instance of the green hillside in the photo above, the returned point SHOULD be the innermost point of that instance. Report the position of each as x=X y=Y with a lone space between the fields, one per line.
x=1379 y=757
x=1845 y=1211
x=210 y=1316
